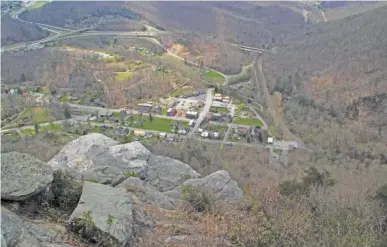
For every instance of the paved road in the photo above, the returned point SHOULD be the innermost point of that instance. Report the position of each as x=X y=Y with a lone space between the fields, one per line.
x=260 y=79
x=204 y=112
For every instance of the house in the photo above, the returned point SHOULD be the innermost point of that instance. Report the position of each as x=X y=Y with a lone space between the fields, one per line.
x=105 y=114
x=191 y=123
x=156 y=109
x=170 y=137
x=216 y=117
x=256 y=133
x=204 y=134
x=226 y=99
x=243 y=131
x=191 y=114
x=270 y=140
x=215 y=135
x=145 y=108
x=171 y=112
x=139 y=133
x=182 y=132
x=123 y=113
x=114 y=120
x=163 y=135
x=218 y=97
x=219 y=104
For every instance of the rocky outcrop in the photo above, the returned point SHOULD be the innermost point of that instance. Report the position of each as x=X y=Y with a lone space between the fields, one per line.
x=76 y=153
x=141 y=193
x=17 y=231
x=219 y=184
x=23 y=176
x=104 y=213
x=165 y=173
x=98 y=158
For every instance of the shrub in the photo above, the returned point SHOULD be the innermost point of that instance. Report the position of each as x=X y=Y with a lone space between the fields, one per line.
x=200 y=199
x=66 y=191
x=131 y=174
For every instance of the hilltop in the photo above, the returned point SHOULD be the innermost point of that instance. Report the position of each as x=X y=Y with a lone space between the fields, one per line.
x=15 y=31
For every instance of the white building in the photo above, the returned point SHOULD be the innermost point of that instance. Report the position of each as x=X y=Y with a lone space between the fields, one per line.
x=191 y=123
x=204 y=134
x=270 y=140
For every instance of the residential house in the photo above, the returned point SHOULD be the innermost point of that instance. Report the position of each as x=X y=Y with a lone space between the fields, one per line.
x=114 y=120
x=171 y=112
x=105 y=114
x=145 y=108
x=270 y=140
x=243 y=131
x=139 y=133
x=204 y=134
x=182 y=132
x=216 y=117
x=215 y=135
x=218 y=97
x=191 y=114
x=226 y=99
x=191 y=123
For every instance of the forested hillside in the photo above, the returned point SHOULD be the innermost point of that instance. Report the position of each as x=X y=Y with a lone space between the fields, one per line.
x=333 y=80
x=14 y=31
x=255 y=23
x=78 y=14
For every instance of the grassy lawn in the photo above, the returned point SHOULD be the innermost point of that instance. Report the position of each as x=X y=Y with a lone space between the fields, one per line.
x=51 y=128
x=248 y=121
x=218 y=128
x=181 y=91
x=37 y=5
x=213 y=77
x=123 y=76
x=37 y=114
x=219 y=110
x=158 y=124
x=27 y=132
x=164 y=111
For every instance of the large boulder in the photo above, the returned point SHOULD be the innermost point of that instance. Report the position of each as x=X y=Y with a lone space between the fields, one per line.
x=219 y=184
x=104 y=214
x=145 y=194
x=98 y=158
x=23 y=176
x=165 y=173
x=75 y=154
x=17 y=231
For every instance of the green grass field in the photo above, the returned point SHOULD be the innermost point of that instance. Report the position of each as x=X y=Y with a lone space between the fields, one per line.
x=214 y=77
x=123 y=76
x=158 y=124
x=181 y=91
x=37 y=114
x=37 y=5
x=219 y=110
x=249 y=121
x=27 y=132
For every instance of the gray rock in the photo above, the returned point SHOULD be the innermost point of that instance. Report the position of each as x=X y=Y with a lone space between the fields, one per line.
x=165 y=173
x=218 y=183
x=17 y=231
x=75 y=154
x=102 y=160
x=23 y=176
x=130 y=151
x=105 y=213
x=145 y=194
